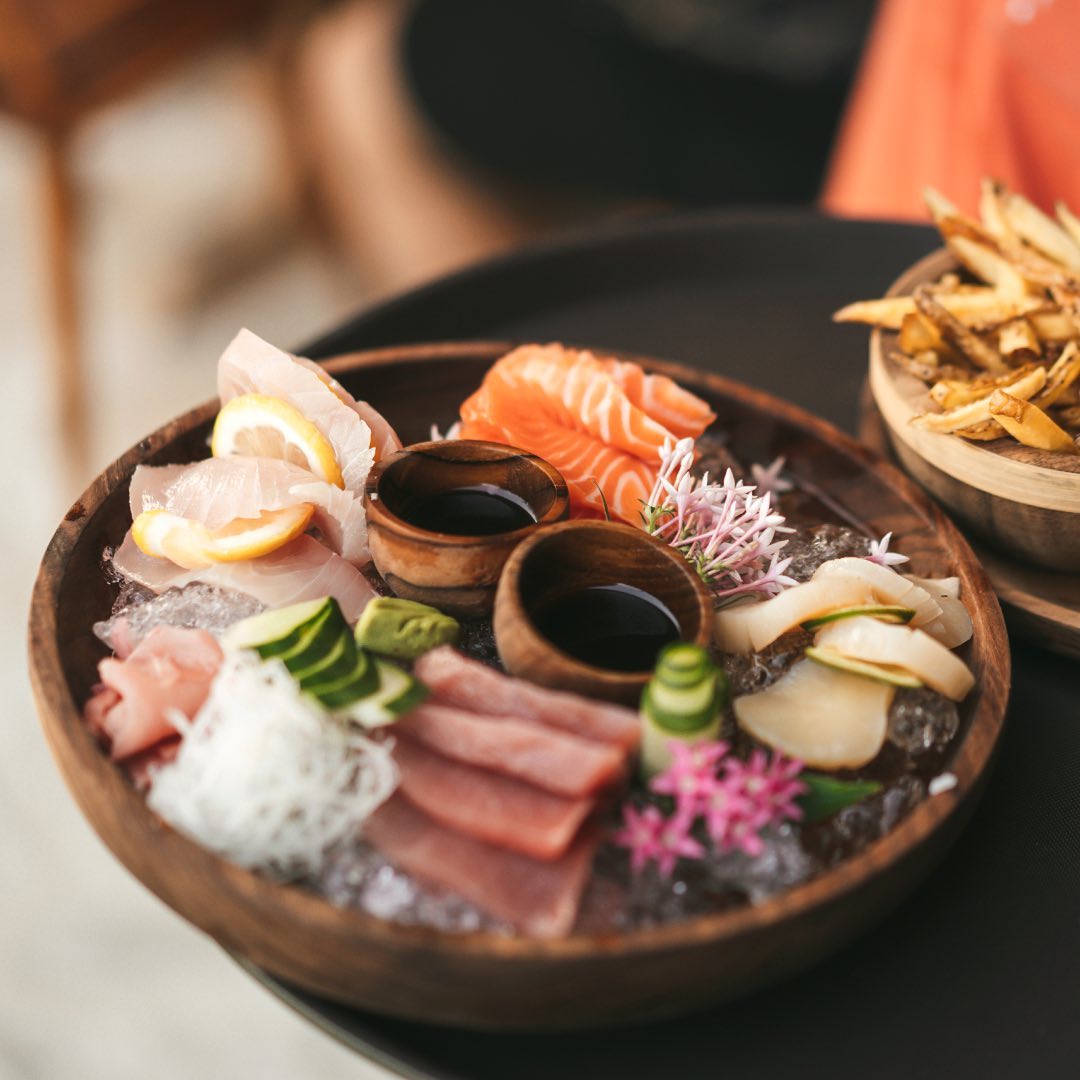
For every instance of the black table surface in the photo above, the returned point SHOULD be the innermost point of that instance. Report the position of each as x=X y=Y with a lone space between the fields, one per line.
x=977 y=973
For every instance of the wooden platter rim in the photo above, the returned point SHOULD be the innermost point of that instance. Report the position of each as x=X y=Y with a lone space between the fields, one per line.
x=971 y=463
x=73 y=746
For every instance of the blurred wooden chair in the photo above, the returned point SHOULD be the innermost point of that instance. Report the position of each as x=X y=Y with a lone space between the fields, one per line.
x=59 y=61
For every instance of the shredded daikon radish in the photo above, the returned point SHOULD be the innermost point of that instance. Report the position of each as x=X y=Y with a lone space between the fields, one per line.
x=267 y=779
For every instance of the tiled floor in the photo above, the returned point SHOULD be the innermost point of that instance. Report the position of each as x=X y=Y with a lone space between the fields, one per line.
x=97 y=977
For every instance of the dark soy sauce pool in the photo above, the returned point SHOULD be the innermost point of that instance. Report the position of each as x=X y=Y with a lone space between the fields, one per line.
x=479 y=510
x=617 y=627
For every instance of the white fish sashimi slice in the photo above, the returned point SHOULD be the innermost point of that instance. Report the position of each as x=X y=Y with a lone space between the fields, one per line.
x=302 y=570
x=251 y=365
x=825 y=718
x=887 y=585
x=953 y=626
x=383 y=437
x=219 y=490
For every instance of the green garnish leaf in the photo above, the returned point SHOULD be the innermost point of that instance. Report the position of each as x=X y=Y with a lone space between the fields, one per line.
x=826 y=795
x=603 y=498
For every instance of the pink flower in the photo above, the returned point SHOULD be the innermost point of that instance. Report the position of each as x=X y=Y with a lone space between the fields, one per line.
x=690 y=777
x=723 y=809
x=880 y=553
x=768 y=478
x=726 y=530
x=653 y=838
x=769 y=786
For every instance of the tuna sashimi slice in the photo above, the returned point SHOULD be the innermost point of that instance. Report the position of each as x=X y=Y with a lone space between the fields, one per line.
x=537 y=898
x=468 y=684
x=216 y=491
x=553 y=760
x=493 y=808
x=303 y=569
x=169 y=671
x=251 y=365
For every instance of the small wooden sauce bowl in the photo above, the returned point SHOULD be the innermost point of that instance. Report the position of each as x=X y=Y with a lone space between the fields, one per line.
x=454 y=573
x=575 y=555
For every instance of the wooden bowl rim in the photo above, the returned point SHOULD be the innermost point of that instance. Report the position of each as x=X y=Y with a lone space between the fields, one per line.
x=389 y=520
x=969 y=462
x=62 y=721
x=511 y=575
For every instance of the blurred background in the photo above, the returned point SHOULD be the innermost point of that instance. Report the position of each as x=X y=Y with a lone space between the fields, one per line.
x=172 y=170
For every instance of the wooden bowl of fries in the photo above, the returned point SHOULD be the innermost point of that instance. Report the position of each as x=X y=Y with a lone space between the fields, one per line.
x=975 y=369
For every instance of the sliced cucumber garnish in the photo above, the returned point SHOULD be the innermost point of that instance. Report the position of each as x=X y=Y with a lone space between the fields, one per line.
x=883 y=673
x=360 y=682
x=271 y=633
x=397 y=693
x=892 y=613
x=332 y=666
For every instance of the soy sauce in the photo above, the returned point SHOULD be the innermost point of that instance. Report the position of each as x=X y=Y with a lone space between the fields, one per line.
x=617 y=627
x=479 y=510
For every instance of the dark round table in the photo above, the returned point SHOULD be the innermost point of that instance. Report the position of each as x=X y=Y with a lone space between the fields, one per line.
x=978 y=973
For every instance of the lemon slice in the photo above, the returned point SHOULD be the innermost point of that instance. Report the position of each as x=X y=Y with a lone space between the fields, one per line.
x=257 y=425
x=193 y=546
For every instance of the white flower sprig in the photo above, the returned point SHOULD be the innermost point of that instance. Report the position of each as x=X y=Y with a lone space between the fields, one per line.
x=880 y=553
x=726 y=531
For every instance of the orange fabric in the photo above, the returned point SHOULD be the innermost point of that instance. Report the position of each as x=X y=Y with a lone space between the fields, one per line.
x=953 y=90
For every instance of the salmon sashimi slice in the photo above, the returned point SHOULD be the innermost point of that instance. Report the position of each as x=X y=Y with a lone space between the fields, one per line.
x=602 y=423
x=537 y=898
x=684 y=414
x=251 y=365
x=467 y=684
x=169 y=671
x=216 y=491
x=302 y=569
x=489 y=807
x=542 y=756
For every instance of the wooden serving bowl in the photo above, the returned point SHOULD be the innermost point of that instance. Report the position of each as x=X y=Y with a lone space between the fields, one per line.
x=576 y=555
x=483 y=980
x=457 y=574
x=1022 y=501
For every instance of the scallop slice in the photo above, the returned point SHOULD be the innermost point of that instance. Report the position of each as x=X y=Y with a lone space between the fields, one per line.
x=953 y=626
x=903 y=647
x=887 y=585
x=824 y=717
x=749 y=627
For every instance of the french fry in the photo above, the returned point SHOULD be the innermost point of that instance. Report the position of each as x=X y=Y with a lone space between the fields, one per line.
x=952 y=393
x=1028 y=424
x=918 y=334
x=1069 y=221
x=965 y=341
x=978 y=412
x=1052 y=325
x=940 y=208
x=985 y=263
x=924 y=365
x=1040 y=231
x=1060 y=377
x=1017 y=340
x=975 y=306
x=987 y=431
x=991 y=212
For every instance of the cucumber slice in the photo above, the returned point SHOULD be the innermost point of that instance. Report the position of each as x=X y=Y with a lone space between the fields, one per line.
x=316 y=640
x=360 y=682
x=271 y=633
x=882 y=673
x=398 y=692
x=332 y=667
x=892 y=613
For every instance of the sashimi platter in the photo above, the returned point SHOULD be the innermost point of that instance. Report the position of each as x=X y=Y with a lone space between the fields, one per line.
x=515 y=686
